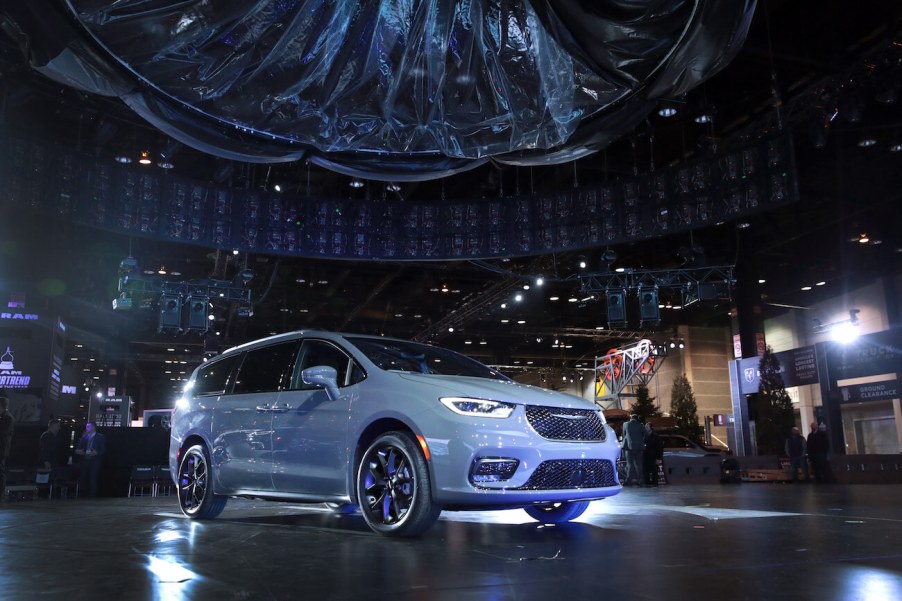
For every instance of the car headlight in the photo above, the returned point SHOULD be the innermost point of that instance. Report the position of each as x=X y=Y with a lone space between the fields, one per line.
x=478 y=407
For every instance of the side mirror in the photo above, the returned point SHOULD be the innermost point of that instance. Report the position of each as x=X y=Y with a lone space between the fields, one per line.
x=324 y=376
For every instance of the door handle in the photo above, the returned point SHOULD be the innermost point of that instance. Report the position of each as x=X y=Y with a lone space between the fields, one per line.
x=281 y=408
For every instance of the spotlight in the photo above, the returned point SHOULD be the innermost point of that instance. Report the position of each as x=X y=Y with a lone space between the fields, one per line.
x=145 y=158
x=393 y=187
x=356 y=183
x=667 y=111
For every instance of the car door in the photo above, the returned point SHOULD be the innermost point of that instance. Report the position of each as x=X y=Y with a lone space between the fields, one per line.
x=243 y=419
x=311 y=449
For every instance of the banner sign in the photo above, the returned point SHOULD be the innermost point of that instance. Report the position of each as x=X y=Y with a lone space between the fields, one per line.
x=870 y=355
x=874 y=391
x=798 y=367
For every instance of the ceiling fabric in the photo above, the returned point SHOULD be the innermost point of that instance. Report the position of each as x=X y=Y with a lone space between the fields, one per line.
x=400 y=90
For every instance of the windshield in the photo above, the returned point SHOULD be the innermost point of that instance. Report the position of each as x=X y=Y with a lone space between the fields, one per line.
x=399 y=355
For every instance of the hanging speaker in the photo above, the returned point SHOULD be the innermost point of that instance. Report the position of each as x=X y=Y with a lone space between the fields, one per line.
x=649 y=311
x=197 y=313
x=616 y=302
x=170 y=311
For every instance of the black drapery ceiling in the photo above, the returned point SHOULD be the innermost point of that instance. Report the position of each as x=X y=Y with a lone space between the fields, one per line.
x=400 y=90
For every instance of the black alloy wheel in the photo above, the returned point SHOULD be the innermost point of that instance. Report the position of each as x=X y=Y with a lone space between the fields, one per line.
x=195 y=486
x=393 y=487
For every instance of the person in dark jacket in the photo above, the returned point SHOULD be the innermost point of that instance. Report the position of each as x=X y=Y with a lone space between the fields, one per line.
x=633 y=445
x=654 y=452
x=49 y=452
x=91 y=447
x=798 y=460
x=6 y=437
x=818 y=448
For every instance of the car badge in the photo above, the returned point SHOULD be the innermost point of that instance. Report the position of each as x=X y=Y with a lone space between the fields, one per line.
x=750 y=374
x=568 y=416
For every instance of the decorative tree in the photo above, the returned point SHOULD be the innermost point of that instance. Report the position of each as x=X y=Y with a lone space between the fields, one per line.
x=684 y=410
x=644 y=406
x=775 y=415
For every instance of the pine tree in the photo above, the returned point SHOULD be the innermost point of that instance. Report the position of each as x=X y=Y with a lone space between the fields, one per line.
x=644 y=406
x=775 y=415
x=684 y=410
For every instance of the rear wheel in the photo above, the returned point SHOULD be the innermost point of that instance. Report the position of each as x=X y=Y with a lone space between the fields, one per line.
x=393 y=487
x=195 y=485
x=557 y=513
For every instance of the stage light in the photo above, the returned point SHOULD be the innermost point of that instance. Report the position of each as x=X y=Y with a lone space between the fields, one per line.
x=649 y=312
x=145 y=158
x=667 y=111
x=616 y=306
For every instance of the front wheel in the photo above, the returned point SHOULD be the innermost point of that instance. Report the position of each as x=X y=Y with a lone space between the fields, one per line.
x=557 y=513
x=393 y=487
x=195 y=486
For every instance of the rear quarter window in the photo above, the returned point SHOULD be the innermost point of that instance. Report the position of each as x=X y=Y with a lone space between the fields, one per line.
x=213 y=378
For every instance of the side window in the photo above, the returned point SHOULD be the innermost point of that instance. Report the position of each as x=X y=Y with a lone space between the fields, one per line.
x=265 y=369
x=319 y=352
x=213 y=378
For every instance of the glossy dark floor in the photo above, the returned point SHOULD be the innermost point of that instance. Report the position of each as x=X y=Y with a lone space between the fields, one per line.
x=748 y=541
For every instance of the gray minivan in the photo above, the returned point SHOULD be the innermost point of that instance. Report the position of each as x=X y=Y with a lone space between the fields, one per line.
x=398 y=429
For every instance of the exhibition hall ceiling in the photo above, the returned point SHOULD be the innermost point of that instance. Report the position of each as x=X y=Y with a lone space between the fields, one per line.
x=825 y=73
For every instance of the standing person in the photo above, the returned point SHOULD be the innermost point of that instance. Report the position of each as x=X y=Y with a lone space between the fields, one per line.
x=633 y=444
x=49 y=453
x=91 y=447
x=654 y=452
x=795 y=448
x=818 y=448
x=6 y=437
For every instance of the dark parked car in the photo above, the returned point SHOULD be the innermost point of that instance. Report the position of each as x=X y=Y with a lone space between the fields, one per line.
x=677 y=445
x=399 y=429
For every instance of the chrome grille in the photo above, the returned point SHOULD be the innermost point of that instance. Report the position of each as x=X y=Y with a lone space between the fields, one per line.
x=555 y=423
x=571 y=473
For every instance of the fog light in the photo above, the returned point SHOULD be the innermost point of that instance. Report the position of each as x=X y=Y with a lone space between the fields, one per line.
x=493 y=470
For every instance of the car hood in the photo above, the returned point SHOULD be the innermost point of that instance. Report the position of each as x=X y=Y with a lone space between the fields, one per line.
x=498 y=390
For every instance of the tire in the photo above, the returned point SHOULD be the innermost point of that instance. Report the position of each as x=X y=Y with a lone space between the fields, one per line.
x=394 y=488
x=557 y=513
x=195 y=485
x=342 y=508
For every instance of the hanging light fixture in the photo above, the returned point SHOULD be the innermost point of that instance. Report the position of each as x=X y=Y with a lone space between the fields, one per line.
x=145 y=158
